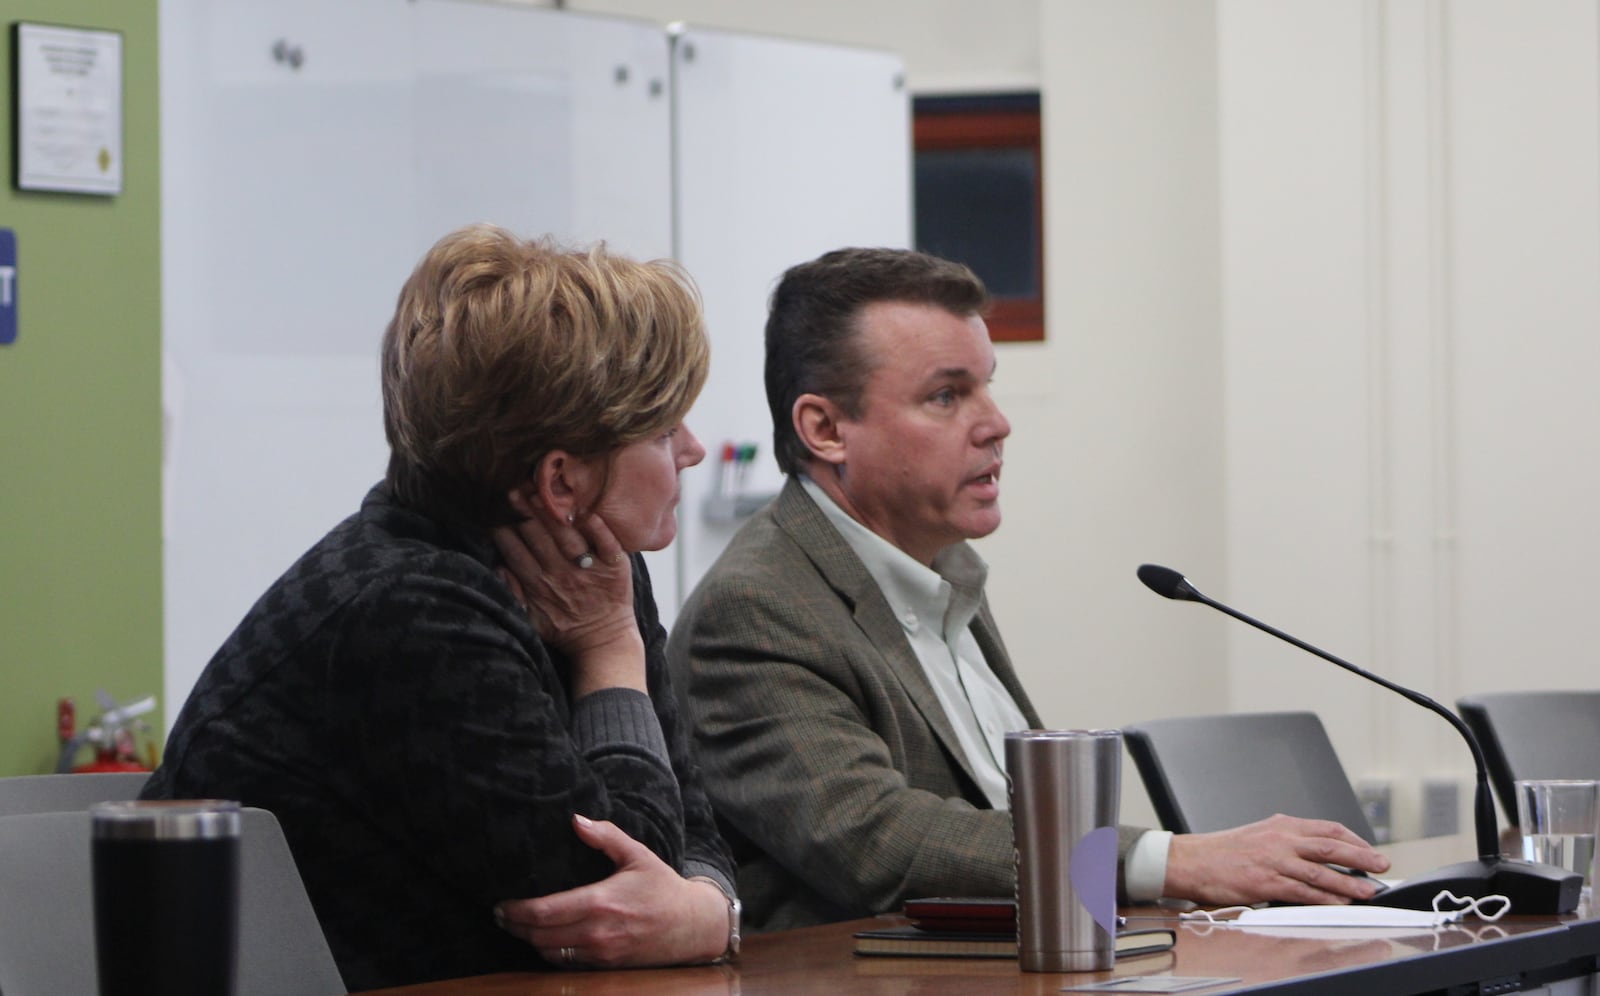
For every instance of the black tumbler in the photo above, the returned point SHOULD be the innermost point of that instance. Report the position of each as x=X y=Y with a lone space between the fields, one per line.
x=166 y=897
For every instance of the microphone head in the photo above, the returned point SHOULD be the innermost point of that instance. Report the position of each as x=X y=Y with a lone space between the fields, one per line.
x=1167 y=583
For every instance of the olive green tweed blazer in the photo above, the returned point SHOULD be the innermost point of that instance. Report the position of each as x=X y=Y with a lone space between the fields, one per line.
x=834 y=771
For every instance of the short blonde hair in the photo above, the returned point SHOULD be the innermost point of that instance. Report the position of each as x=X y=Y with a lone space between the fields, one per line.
x=503 y=349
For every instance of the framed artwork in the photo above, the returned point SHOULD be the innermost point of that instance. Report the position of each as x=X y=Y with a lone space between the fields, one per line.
x=979 y=199
x=67 y=109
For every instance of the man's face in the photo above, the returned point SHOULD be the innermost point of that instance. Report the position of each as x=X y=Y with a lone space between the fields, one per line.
x=921 y=465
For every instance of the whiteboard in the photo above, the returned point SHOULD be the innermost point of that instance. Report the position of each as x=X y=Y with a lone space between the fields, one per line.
x=786 y=149
x=311 y=152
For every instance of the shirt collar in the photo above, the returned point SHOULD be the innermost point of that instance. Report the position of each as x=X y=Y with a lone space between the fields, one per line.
x=945 y=596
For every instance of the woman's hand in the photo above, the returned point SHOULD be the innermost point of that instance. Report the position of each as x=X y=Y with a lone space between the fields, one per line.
x=643 y=914
x=585 y=612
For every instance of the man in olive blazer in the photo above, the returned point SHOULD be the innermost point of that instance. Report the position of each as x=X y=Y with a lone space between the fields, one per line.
x=834 y=769
x=830 y=730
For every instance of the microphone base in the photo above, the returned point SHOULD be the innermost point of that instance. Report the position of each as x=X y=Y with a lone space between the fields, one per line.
x=1532 y=888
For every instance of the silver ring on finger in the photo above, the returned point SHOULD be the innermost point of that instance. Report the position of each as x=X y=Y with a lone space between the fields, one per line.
x=568 y=955
x=585 y=561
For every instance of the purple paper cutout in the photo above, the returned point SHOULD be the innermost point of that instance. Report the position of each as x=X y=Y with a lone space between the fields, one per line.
x=1093 y=870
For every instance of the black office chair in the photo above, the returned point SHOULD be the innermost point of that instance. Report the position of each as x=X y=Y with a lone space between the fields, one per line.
x=1534 y=735
x=1207 y=773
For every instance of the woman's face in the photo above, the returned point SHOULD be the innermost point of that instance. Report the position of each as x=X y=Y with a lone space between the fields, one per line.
x=641 y=490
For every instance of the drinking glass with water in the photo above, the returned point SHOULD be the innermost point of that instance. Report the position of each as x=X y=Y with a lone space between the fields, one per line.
x=1559 y=819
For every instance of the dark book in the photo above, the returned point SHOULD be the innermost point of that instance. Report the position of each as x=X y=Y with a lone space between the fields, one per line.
x=911 y=941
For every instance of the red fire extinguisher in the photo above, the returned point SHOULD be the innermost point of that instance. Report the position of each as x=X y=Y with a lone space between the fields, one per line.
x=112 y=736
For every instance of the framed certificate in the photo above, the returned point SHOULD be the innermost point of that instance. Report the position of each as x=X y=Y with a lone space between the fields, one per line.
x=68 y=113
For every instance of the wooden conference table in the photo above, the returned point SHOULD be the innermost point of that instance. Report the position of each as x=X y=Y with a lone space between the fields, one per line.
x=1515 y=953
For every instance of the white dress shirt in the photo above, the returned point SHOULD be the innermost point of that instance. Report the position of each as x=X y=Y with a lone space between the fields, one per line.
x=935 y=608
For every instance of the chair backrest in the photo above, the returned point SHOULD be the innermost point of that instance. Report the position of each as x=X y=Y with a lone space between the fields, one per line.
x=47 y=911
x=1207 y=773
x=22 y=794
x=1534 y=735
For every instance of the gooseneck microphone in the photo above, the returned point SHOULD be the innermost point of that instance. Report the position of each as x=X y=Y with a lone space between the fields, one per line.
x=1531 y=887
x=1169 y=583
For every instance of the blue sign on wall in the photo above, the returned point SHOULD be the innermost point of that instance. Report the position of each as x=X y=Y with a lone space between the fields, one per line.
x=8 y=286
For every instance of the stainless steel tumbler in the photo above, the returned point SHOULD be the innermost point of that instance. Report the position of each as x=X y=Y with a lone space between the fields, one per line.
x=1065 y=787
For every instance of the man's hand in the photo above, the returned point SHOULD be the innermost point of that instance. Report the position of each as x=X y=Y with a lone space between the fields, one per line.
x=643 y=914
x=1281 y=858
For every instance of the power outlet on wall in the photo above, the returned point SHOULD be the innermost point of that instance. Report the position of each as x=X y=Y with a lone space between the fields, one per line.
x=1441 y=807
x=1376 y=796
x=1409 y=808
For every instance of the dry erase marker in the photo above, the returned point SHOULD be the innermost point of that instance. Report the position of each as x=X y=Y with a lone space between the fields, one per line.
x=728 y=455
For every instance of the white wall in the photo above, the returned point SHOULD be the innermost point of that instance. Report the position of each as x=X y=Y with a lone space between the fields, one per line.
x=1331 y=434
x=1117 y=461
x=1524 y=303
x=1411 y=234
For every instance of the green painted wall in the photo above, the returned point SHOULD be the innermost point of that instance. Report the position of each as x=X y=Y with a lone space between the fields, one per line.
x=80 y=418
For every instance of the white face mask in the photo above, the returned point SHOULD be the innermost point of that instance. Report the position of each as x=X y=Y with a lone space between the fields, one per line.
x=1343 y=916
x=1447 y=908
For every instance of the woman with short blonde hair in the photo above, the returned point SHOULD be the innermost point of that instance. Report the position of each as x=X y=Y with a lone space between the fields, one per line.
x=501 y=349
x=456 y=701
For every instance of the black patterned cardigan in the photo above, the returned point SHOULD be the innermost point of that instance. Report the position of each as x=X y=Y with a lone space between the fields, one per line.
x=391 y=704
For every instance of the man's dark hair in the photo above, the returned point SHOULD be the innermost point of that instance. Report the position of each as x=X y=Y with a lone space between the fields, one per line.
x=813 y=326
